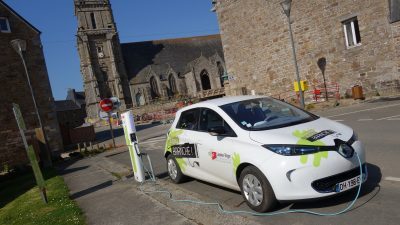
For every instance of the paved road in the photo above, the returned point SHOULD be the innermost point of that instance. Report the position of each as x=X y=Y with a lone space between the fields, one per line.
x=378 y=126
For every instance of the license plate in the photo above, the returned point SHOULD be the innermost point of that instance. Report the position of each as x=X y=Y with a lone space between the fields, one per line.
x=348 y=184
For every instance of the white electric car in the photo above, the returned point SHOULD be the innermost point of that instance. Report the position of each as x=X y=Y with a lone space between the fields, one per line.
x=269 y=150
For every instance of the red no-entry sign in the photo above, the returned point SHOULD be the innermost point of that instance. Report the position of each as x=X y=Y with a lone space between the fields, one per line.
x=106 y=105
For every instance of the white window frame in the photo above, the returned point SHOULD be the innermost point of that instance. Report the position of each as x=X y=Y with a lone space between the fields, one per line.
x=8 y=26
x=353 y=31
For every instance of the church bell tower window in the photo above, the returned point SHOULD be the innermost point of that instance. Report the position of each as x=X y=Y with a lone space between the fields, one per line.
x=93 y=19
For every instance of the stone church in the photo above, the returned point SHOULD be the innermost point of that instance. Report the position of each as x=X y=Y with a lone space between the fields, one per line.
x=142 y=73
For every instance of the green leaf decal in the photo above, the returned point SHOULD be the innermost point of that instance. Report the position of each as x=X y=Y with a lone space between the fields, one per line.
x=303 y=135
x=236 y=161
x=173 y=139
x=181 y=163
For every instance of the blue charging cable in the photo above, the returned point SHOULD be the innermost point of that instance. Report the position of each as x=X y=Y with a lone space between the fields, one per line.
x=223 y=211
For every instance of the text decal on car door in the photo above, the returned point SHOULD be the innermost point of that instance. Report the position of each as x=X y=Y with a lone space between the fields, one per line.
x=185 y=151
x=320 y=135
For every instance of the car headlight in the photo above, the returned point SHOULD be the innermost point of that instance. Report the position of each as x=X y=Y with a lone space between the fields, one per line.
x=289 y=150
x=345 y=150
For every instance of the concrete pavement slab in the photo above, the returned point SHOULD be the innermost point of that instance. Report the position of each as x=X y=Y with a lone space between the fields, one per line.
x=107 y=200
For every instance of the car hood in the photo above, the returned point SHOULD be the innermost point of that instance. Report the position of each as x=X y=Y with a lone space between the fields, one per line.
x=320 y=132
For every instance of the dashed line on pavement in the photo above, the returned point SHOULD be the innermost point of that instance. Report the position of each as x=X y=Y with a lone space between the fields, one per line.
x=392 y=179
x=363 y=110
x=365 y=119
x=389 y=117
x=339 y=120
x=152 y=141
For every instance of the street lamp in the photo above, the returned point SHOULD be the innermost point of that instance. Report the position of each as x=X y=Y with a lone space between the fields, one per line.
x=286 y=6
x=20 y=47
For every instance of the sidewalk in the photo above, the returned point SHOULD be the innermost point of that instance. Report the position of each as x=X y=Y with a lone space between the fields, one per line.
x=101 y=189
x=107 y=200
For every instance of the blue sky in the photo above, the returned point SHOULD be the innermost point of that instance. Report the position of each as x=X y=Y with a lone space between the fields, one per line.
x=137 y=20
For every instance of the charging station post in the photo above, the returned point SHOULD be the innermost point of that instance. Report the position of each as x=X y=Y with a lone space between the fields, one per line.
x=132 y=143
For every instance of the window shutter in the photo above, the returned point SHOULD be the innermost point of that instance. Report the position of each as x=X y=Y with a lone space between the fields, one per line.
x=394 y=7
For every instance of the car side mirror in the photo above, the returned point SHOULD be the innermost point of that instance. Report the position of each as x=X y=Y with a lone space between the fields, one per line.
x=217 y=131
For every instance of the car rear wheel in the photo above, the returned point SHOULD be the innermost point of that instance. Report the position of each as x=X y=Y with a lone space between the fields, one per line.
x=174 y=171
x=256 y=190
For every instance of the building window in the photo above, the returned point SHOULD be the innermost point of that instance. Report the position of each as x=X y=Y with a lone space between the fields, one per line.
x=154 y=88
x=93 y=19
x=394 y=10
x=172 y=84
x=100 y=52
x=352 y=32
x=4 y=25
x=205 y=80
x=221 y=72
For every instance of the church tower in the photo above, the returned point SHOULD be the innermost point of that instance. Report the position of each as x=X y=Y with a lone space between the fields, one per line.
x=102 y=65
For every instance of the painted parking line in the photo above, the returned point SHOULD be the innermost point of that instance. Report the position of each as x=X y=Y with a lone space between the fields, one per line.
x=392 y=179
x=365 y=119
x=338 y=120
x=389 y=117
x=363 y=110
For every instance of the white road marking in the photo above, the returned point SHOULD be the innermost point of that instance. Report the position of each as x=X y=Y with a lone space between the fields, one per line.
x=392 y=179
x=339 y=120
x=389 y=117
x=365 y=119
x=363 y=110
x=152 y=141
x=394 y=119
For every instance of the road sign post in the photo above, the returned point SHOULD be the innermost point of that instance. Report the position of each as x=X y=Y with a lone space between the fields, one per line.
x=106 y=105
x=31 y=153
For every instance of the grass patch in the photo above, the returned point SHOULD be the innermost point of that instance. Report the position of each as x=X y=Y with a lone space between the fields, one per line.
x=21 y=203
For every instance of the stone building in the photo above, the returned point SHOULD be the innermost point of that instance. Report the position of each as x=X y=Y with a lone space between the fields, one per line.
x=102 y=65
x=141 y=73
x=358 y=39
x=71 y=112
x=15 y=89
x=190 y=67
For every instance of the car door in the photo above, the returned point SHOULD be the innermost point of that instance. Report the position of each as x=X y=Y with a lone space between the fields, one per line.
x=216 y=152
x=185 y=151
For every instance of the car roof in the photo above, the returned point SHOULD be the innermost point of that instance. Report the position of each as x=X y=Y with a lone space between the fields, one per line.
x=221 y=101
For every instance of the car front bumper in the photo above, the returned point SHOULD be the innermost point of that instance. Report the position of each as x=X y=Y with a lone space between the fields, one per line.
x=294 y=179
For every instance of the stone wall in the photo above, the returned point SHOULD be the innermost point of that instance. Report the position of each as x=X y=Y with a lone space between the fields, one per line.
x=257 y=48
x=15 y=90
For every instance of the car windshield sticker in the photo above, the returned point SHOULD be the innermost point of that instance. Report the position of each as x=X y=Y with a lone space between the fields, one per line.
x=173 y=139
x=236 y=161
x=303 y=135
x=320 y=135
x=220 y=157
x=184 y=151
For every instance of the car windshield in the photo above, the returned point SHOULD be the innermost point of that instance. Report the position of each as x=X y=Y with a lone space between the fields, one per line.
x=266 y=113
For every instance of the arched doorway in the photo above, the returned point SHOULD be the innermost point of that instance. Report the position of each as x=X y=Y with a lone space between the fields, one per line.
x=155 y=93
x=205 y=80
x=172 y=85
x=221 y=72
x=139 y=99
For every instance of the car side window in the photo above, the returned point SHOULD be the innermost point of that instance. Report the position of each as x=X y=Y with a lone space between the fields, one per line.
x=189 y=120
x=210 y=119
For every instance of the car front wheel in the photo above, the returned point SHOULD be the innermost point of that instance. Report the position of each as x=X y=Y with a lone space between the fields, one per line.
x=256 y=190
x=174 y=171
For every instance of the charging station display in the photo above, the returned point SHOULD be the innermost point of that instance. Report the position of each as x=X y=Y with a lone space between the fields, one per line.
x=132 y=143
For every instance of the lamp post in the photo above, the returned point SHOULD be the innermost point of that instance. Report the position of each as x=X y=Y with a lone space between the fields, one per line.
x=20 y=47
x=286 y=6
